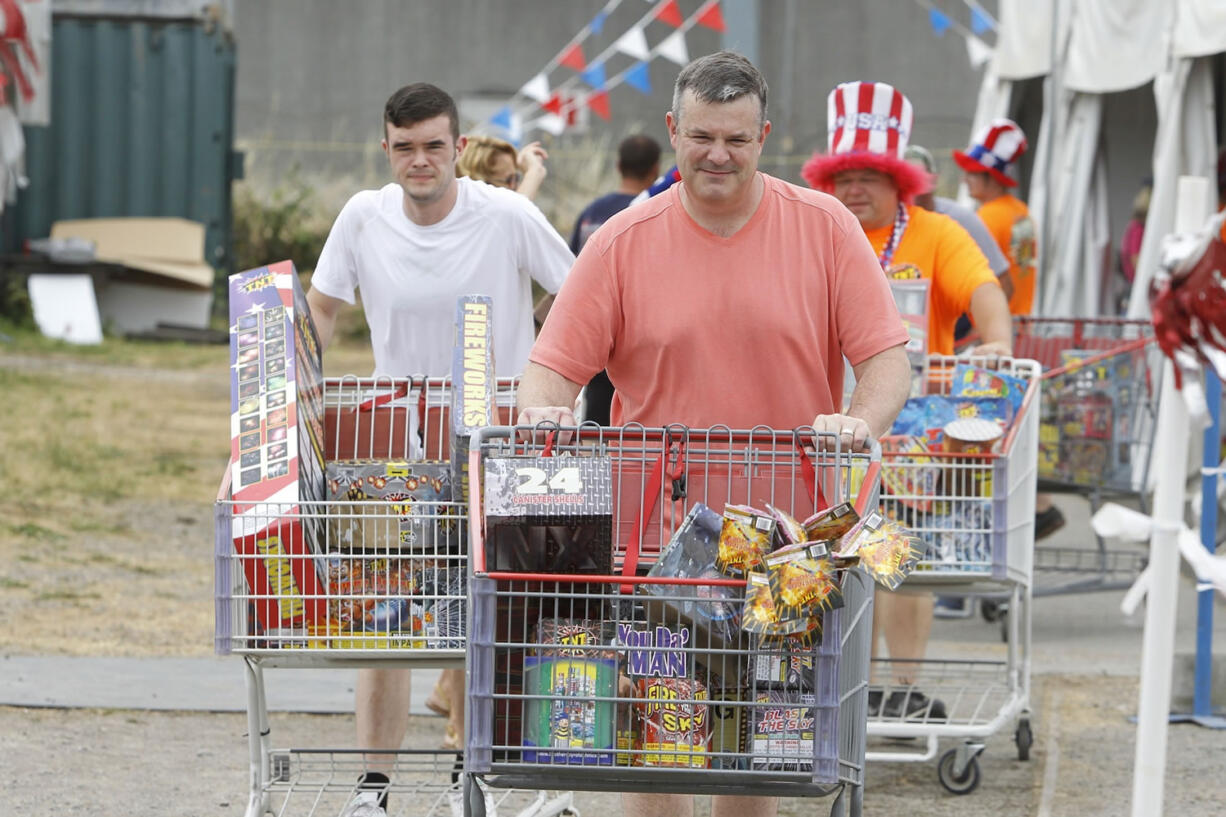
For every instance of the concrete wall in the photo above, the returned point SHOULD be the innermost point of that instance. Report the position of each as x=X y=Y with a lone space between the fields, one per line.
x=313 y=76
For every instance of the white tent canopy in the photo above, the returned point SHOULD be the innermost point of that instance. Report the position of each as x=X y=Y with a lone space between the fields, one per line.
x=1102 y=47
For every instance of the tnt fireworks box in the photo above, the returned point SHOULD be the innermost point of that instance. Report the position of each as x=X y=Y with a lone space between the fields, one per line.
x=418 y=515
x=568 y=725
x=276 y=446
x=549 y=514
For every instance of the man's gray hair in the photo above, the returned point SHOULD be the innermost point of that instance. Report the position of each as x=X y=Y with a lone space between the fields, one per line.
x=720 y=77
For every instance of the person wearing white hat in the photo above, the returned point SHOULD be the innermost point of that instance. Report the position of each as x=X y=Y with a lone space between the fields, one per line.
x=869 y=126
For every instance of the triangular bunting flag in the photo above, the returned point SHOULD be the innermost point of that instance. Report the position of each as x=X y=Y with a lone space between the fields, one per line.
x=598 y=101
x=636 y=76
x=597 y=24
x=712 y=18
x=939 y=21
x=633 y=43
x=502 y=118
x=978 y=51
x=673 y=49
x=536 y=88
x=573 y=58
x=980 y=22
x=670 y=13
x=594 y=75
x=550 y=123
x=553 y=104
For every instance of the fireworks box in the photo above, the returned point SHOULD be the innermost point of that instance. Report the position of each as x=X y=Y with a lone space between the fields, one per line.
x=419 y=516
x=780 y=730
x=549 y=515
x=473 y=382
x=569 y=718
x=276 y=445
x=392 y=603
x=780 y=669
x=673 y=723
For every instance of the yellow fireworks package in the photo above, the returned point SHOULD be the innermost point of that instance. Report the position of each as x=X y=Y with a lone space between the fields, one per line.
x=744 y=540
x=802 y=581
x=887 y=550
x=760 y=616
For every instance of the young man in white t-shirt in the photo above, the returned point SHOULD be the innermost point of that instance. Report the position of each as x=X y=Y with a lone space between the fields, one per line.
x=411 y=248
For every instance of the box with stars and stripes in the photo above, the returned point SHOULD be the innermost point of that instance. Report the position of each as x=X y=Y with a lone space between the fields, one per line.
x=276 y=445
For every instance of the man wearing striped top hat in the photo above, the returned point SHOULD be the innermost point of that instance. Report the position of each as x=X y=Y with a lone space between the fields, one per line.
x=990 y=163
x=869 y=125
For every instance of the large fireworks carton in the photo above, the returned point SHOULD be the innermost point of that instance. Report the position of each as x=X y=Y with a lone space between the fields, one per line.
x=276 y=446
x=392 y=506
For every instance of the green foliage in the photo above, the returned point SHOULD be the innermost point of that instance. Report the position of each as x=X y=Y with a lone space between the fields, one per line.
x=15 y=309
x=288 y=223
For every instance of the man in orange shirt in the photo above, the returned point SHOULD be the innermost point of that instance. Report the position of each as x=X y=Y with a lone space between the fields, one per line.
x=766 y=289
x=869 y=124
x=988 y=163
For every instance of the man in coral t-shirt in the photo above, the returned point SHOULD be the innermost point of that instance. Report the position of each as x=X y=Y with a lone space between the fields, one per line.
x=731 y=298
x=869 y=125
x=988 y=163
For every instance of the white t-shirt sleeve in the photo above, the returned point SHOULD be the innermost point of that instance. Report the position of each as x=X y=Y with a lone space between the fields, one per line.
x=541 y=251
x=336 y=273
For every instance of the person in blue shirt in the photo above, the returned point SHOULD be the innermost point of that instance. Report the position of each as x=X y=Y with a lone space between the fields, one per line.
x=638 y=164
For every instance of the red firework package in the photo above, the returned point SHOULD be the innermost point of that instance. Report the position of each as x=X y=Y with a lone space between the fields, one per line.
x=744 y=540
x=674 y=728
x=831 y=523
x=787 y=530
x=1188 y=300
x=801 y=583
x=887 y=550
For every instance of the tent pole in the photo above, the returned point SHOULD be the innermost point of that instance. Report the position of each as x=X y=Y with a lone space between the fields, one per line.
x=1202 y=706
x=1158 y=643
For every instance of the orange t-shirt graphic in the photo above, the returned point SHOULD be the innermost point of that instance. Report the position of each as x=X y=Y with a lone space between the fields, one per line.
x=936 y=247
x=1008 y=220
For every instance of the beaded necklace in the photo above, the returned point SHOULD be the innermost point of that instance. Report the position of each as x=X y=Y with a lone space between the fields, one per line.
x=891 y=244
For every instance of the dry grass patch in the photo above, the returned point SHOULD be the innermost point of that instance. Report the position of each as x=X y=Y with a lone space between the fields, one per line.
x=112 y=456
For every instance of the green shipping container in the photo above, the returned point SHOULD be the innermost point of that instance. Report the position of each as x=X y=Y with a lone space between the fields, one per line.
x=142 y=124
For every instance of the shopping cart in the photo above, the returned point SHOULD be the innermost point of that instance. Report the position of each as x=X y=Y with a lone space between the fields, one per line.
x=351 y=582
x=717 y=713
x=976 y=512
x=1101 y=384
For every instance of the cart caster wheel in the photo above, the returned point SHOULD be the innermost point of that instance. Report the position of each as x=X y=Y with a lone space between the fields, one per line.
x=966 y=783
x=989 y=609
x=1024 y=739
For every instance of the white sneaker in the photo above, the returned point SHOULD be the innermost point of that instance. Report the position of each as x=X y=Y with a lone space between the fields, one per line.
x=364 y=804
x=455 y=799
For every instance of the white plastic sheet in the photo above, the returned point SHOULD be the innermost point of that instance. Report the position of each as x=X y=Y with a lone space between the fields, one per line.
x=1115 y=45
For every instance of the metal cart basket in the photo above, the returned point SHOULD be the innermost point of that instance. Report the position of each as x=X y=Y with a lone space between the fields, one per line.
x=374 y=577
x=1101 y=381
x=976 y=512
x=584 y=674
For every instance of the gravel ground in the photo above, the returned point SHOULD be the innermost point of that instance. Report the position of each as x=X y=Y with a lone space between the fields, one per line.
x=147 y=764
